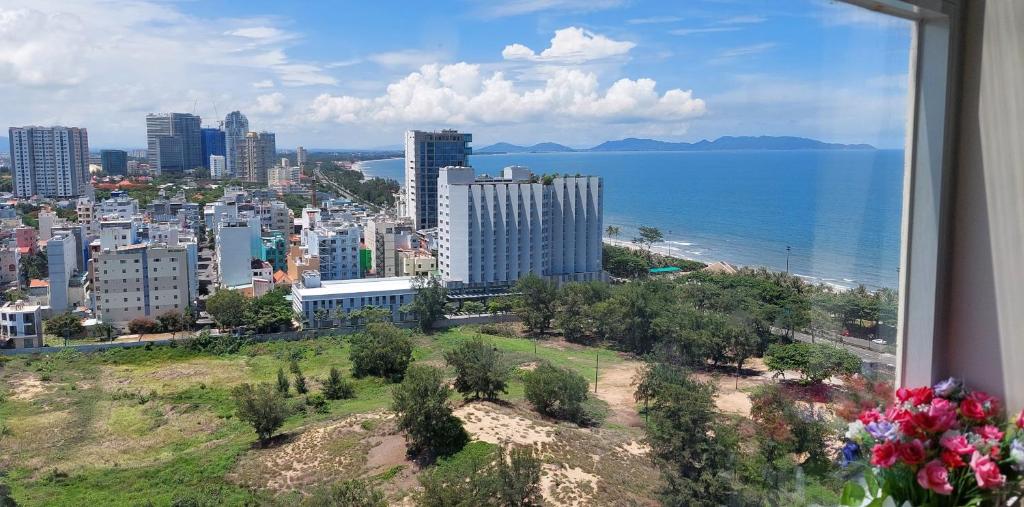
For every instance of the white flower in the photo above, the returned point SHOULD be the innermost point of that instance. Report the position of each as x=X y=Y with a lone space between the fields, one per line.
x=854 y=430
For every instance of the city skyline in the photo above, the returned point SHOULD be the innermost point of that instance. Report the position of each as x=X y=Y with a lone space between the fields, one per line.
x=525 y=72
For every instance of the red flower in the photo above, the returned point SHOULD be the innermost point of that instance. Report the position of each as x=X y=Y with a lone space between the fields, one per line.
x=935 y=477
x=1020 y=420
x=897 y=414
x=952 y=459
x=883 y=455
x=916 y=396
x=939 y=417
x=989 y=432
x=869 y=416
x=912 y=453
x=986 y=472
x=979 y=405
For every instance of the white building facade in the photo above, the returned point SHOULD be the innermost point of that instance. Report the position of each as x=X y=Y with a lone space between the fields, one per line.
x=142 y=281
x=21 y=325
x=49 y=161
x=342 y=297
x=494 y=231
x=337 y=245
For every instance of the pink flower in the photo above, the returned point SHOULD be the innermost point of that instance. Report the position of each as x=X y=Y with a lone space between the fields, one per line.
x=986 y=472
x=1020 y=420
x=935 y=477
x=883 y=455
x=870 y=416
x=989 y=432
x=912 y=452
x=957 y=443
x=939 y=416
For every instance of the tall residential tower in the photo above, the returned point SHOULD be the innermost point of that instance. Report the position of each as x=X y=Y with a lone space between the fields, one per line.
x=258 y=155
x=49 y=161
x=425 y=154
x=236 y=126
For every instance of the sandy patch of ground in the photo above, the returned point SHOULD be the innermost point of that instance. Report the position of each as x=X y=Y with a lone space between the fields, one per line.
x=488 y=422
x=532 y=365
x=615 y=387
x=27 y=387
x=318 y=455
x=734 y=394
x=634 y=448
x=567 y=486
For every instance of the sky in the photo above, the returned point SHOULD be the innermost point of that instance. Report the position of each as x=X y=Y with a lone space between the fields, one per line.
x=357 y=74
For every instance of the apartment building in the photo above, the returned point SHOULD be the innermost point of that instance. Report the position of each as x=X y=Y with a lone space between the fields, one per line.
x=49 y=161
x=385 y=237
x=21 y=325
x=337 y=246
x=425 y=154
x=141 y=281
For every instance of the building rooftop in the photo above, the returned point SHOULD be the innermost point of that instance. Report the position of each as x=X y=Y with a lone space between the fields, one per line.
x=36 y=283
x=360 y=286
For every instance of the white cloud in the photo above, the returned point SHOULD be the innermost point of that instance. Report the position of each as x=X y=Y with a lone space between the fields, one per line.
x=260 y=33
x=493 y=9
x=710 y=29
x=265 y=83
x=743 y=20
x=654 y=20
x=269 y=104
x=741 y=51
x=460 y=94
x=571 y=45
x=408 y=58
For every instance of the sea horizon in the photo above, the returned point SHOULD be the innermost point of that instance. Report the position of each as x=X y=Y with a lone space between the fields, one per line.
x=837 y=210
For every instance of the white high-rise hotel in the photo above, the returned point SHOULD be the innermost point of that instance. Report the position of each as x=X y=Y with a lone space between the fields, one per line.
x=493 y=231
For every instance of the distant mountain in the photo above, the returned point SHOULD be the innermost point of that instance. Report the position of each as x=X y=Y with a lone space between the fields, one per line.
x=513 y=148
x=728 y=143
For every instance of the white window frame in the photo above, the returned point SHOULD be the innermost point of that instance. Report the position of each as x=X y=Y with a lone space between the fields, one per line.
x=935 y=62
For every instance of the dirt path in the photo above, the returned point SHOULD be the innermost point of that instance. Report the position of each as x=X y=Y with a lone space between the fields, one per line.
x=615 y=387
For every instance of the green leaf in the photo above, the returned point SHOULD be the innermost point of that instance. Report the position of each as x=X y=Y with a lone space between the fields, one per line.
x=872 y=484
x=853 y=495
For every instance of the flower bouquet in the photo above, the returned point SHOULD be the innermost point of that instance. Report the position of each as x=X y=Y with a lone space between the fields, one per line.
x=935 y=446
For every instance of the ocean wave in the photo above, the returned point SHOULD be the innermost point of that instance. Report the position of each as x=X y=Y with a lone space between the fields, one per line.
x=680 y=243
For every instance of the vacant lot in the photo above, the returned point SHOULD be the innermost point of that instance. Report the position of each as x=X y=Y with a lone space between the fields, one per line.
x=136 y=426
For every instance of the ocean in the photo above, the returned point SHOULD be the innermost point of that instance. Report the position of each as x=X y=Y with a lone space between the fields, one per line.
x=838 y=211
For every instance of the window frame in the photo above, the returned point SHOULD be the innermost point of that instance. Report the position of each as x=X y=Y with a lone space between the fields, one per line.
x=930 y=152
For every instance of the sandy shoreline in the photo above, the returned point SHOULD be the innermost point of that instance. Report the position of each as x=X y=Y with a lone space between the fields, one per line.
x=358 y=166
x=658 y=249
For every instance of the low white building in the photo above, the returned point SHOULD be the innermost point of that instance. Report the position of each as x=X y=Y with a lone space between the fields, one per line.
x=337 y=245
x=21 y=325
x=311 y=294
x=218 y=167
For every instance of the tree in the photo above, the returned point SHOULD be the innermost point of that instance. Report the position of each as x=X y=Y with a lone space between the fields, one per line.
x=815 y=361
x=337 y=388
x=320 y=315
x=282 y=382
x=573 y=313
x=536 y=302
x=65 y=325
x=300 y=383
x=499 y=304
x=428 y=305
x=689 y=442
x=369 y=314
x=381 y=350
x=170 y=322
x=262 y=406
x=350 y=493
x=268 y=313
x=228 y=308
x=104 y=331
x=623 y=262
x=556 y=392
x=14 y=295
x=35 y=266
x=649 y=236
x=143 y=326
x=421 y=402
x=519 y=477
x=483 y=474
x=480 y=369
x=612 y=231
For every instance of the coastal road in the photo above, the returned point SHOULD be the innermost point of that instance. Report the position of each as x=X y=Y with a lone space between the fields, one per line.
x=341 y=191
x=865 y=354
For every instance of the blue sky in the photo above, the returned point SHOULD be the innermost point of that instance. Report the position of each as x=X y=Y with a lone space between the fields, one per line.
x=356 y=74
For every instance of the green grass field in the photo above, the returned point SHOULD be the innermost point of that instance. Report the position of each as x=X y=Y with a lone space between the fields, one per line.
x=140 y=427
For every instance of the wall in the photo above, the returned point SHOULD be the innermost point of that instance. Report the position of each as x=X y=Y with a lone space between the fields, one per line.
x=985 y=317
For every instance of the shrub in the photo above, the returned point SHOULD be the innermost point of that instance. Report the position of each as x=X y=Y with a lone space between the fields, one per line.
x=337 y=388
x=317 y=402
x=351 y=493
x=381 y=350
x=262 y=406
x=556 y=392
x=300 y=383
x=480 y=369
x=421 y=401
x=210 y=344
x=480 y=474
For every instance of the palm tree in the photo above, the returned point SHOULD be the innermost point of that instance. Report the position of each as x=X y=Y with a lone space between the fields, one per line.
x=320 y=315
x=612 y=231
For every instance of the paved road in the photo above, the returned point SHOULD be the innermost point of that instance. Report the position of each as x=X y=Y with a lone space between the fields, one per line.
x=341 y=191
x=864 y=354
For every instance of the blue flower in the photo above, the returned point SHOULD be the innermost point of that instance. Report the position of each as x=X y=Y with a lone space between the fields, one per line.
x=851 y=453
x=946 y=387
x=882 y=430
